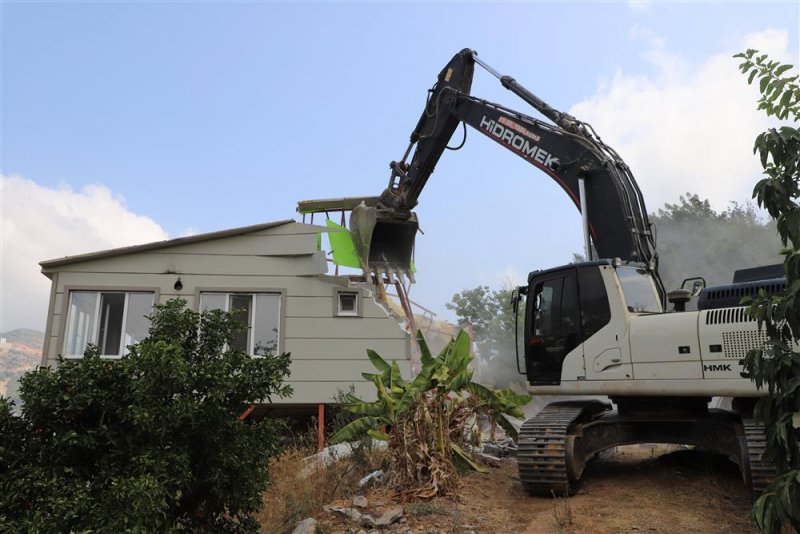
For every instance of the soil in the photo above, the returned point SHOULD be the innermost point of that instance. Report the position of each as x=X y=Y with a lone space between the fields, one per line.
x=634 y=489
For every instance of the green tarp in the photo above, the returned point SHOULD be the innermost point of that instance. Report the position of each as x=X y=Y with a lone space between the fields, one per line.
x=342 y=246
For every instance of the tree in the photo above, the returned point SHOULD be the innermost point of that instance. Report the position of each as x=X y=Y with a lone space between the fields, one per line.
x=693 y=239
x=491 y=317
x=777 y=365
x=150 y=442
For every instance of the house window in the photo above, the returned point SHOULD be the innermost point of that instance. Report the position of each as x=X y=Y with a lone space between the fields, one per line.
x=112 y=320
x=347 y=303
x=261 y=312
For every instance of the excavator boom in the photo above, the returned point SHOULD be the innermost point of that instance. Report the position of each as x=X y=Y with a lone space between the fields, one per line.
x=568 y=152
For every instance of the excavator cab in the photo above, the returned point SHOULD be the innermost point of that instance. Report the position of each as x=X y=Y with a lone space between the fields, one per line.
x=564 y=307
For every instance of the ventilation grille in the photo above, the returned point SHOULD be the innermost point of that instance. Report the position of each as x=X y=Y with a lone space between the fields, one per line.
x=742 y=291
x=738 y=344
x=728 y=315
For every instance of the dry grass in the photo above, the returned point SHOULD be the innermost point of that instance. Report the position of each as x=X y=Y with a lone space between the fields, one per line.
x=562 y=514
x=298 y=491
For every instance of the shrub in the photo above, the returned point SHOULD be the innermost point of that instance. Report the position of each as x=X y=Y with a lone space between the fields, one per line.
x=149 y=442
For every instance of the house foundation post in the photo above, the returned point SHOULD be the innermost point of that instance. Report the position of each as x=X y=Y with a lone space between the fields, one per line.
x=320 y=427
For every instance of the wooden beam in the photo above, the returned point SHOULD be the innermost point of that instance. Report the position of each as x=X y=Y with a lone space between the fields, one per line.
x=333 y=204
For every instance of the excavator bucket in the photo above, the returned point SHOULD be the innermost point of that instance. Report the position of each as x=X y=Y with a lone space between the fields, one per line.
x=384 y=241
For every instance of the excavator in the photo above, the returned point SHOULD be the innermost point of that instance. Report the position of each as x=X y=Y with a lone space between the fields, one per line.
x=601 y=327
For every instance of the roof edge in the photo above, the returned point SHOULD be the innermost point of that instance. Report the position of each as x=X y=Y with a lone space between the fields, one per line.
x=155 y=245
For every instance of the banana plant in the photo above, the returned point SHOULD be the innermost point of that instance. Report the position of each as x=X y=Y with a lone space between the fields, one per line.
x=443 y=383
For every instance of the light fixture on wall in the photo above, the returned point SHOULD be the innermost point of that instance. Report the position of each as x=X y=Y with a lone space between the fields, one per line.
x=178 y=285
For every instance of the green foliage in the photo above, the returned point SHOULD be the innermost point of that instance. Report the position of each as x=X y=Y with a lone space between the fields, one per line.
x=696 y=240
x=423 y=419
x=490 y=314
x=777 y=365
x=150 y=442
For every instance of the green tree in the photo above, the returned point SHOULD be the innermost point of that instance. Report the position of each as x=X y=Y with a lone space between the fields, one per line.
x=491 y=317
x=777 y=365
x=693 y=239
x=147 y=443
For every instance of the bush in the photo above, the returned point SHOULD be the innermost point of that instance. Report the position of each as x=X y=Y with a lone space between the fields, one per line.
x=150 y=442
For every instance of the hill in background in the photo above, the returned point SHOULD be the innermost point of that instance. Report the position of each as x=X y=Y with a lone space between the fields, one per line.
x=20 y=351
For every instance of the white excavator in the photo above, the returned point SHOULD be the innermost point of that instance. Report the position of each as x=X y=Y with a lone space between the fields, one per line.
x=602 y=327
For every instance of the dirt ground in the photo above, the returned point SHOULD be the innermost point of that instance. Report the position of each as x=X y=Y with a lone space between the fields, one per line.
x=636 y=489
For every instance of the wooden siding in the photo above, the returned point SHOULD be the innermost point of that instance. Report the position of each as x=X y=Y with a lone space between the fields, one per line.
x=347 y=349
x=196 y=263
x=253 y=245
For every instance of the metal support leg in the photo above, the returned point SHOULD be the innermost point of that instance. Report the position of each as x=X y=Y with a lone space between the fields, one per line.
x=587 y=244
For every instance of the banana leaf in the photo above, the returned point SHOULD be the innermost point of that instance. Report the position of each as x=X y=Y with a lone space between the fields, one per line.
x=467 y=458
x=356 y=429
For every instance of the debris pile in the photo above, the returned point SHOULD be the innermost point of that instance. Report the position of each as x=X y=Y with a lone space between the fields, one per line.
x=375 y=518
x=500 y=449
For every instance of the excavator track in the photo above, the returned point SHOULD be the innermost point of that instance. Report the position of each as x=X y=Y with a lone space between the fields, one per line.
x=762 y=473
x=542 y=447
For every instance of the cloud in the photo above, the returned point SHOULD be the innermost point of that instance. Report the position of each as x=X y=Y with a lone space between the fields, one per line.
x=639 y=5
x=687 y=127
x=40 y=223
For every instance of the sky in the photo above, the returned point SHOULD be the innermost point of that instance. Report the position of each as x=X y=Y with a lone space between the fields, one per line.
x=129 y=122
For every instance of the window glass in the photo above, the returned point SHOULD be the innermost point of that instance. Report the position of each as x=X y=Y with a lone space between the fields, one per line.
x=80 y=321
x=240 y=306
x=112 y=307
x=348 y=303
x=595 y=313
x=259 y=312
x=137 y=325
x=266 y=323
x=213 y=301
x=637 y=286
x=547 y=308
x=112 y=320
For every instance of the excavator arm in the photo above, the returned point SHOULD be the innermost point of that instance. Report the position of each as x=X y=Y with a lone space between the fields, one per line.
x=568 y=152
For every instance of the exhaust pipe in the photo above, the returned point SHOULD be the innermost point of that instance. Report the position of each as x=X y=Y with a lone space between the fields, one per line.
x=384 y=239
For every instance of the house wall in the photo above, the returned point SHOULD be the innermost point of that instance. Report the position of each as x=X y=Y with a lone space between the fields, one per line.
x=328 y=352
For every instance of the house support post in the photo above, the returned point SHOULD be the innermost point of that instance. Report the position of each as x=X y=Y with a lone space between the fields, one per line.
x=320 y=427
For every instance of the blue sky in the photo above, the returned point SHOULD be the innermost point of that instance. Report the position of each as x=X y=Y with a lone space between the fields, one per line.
x=204 y=116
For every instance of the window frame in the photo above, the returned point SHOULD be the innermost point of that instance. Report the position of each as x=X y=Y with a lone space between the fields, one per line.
x=279 y=349
x=66 y=297
x=337 y=311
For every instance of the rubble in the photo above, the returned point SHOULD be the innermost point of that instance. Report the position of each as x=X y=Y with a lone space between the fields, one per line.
x=501 y=449
x=359 y=501
x=387 y=518
x=306 y=526
x=390 y=516
x=370 y=478
x=492 y=461
x=350 y=513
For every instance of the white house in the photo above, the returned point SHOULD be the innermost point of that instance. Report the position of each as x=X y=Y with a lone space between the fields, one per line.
x=274 y=274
